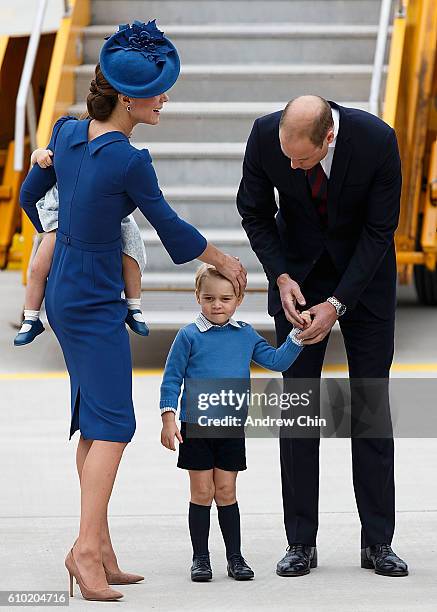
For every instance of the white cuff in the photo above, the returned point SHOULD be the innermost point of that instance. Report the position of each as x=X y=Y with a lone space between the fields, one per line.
x=168 y=409
x=293 y=335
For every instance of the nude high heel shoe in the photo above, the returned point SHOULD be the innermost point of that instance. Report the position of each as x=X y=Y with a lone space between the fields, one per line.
x=106 y=594
x=122 y=577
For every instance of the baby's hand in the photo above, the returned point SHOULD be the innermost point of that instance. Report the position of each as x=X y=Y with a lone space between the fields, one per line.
x=169 y=432
x=42 y=157
x=306 y=316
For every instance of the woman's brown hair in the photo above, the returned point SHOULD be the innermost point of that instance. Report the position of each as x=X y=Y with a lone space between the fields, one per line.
x=102 y=98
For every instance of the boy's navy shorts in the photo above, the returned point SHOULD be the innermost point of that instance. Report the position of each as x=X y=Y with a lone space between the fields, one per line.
x=206 y=453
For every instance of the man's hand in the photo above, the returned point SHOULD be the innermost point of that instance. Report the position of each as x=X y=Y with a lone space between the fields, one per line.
x=324 y=316
x=170 y=431
x=291 y=294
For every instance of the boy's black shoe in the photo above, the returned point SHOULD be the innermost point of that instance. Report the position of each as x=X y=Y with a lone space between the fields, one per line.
x=238 y=568
x=298 y=560
x=383 y=560
x=201 y=569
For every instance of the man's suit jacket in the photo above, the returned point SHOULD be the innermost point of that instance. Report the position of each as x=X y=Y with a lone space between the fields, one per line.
x=363 y=210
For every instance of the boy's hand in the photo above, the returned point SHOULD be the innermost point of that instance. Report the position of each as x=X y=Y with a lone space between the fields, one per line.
x=42 y=157
x=170 y=431
x=306 y=316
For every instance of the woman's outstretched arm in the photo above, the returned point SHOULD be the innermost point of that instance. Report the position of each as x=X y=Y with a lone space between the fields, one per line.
x=182 y=241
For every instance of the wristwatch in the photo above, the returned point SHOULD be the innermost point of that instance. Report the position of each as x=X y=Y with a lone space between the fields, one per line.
x=339 y=307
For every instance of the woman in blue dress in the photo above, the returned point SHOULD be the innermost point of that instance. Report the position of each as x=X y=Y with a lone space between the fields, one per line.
x=101 y=179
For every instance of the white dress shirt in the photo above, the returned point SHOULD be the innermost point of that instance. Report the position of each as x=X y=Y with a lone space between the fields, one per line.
x=326 y=162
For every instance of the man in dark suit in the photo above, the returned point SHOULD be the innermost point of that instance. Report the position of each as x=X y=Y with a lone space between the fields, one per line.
x=329 y=244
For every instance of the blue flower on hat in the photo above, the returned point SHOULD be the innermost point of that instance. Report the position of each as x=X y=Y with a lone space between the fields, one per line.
x=145 y=38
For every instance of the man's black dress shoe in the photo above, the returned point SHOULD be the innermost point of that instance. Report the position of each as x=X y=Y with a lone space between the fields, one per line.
x=383 y=560
x=238 y=568
x=298 y=560
x=201 y=569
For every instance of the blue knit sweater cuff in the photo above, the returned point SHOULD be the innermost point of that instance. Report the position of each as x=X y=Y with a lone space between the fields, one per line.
x=169 y=403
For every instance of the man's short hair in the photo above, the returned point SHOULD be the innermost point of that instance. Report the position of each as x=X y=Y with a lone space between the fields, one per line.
x=316 y=131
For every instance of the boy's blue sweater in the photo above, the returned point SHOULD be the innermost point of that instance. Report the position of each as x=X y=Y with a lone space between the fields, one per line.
x=219 y=353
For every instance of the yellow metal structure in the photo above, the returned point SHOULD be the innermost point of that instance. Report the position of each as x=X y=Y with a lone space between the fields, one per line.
x=410 y=107
x=59 y=94
x=9 y=208
x=10 y=181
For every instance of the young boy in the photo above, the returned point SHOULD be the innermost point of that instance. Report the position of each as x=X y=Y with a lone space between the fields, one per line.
x=134 y=262
x=215 y=347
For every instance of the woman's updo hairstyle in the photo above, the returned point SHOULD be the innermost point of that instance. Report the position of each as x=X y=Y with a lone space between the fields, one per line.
x=102 y=98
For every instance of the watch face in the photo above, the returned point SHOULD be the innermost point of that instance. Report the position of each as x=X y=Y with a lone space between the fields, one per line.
x=341 y=310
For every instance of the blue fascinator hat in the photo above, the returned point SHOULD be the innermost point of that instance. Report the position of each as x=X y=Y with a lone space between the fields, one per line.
x=139 y=61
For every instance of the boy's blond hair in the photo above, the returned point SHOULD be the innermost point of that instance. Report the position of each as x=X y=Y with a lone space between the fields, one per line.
x=205 y=271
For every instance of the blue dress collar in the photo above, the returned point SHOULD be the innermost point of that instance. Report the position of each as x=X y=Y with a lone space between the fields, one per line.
x=80 y=136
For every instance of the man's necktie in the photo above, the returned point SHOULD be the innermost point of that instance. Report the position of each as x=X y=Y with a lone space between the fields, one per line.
x=318 y=184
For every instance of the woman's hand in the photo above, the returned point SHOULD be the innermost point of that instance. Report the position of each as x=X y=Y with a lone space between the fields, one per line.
x=228 y=265
x=235 y=272
x=170 y=431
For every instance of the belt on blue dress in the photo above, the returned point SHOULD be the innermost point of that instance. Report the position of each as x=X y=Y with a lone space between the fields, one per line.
x=89 y=246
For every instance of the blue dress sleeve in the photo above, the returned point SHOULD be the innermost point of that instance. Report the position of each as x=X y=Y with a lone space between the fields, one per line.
x=182 y=241
x=39 y=181
x=276 y=359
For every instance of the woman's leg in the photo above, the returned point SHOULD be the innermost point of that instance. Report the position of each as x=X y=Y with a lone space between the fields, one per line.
x=202 y=494
x=97 y=480
x=108 y=554
x=39 y=271
x=132 y=277
x=227 y=508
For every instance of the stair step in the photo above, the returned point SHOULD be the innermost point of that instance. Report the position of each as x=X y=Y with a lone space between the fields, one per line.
x=216 y=235
x=215 y=206
x=231 y=11
x=172 y=309
x=184 y=282
x=174 y=319
x=258 y=82
x=255 y=30
x=220 y=109
x=232 y=240
x=253 y=43
x=206 y=121
x=203 y=163
x=194 y=150
x=199 y=193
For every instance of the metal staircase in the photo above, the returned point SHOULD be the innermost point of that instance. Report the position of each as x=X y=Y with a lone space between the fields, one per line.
x=235 y=67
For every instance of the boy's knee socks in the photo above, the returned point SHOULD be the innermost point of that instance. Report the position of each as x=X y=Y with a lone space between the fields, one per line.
x=198 y=522
x=229 y=520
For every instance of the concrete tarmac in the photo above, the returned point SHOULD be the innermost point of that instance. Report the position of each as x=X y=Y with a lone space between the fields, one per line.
x=40 y=496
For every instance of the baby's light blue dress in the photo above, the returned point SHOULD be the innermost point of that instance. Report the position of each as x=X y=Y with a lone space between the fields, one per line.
x=131 y=242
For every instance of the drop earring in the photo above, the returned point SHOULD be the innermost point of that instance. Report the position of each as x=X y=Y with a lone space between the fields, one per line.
x=128 y=108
